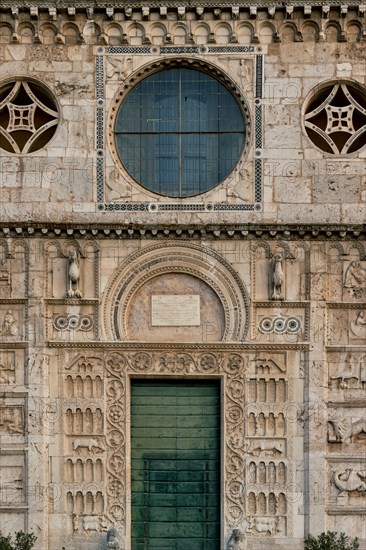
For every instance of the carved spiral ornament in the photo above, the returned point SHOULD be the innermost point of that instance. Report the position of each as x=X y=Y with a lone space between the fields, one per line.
x=335 y=118
x=28 y=116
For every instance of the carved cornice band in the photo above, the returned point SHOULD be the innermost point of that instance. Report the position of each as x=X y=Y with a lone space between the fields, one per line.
x=186 y=232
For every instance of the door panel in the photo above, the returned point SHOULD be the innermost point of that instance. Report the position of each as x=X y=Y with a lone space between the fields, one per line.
x=175 y=475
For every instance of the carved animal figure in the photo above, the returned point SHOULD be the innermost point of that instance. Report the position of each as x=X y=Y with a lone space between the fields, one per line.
x=91 y=523
x=119 y=67
x=346 y=430
x=349 y=480
x=268 y=448
x=74 y=276
x=264 y=525
x=277 y=278
x=90 y=444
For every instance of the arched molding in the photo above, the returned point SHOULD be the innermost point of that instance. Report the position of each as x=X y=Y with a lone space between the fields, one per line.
x=315 y=31
x=183 y=257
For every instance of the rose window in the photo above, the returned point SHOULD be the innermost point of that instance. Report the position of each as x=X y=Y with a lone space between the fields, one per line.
x=335 y=118
x=28 y=116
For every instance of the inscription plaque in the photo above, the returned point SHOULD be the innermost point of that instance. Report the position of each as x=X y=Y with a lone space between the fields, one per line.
x=171 y=310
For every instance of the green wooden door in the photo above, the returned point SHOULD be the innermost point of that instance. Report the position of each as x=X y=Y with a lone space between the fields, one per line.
x=175 y=465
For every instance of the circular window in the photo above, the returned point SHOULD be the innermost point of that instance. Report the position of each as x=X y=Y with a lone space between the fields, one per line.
x=28 y=116
x=335 y=118
x=179 y=132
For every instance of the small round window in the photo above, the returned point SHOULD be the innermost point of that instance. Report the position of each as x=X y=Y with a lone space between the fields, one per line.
x=335 y=118
x=179 y=132
x=28 y=116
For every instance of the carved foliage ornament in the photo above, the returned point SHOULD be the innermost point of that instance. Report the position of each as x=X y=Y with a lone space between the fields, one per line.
x=119 y=365
x=335 y=118
x=28 y=116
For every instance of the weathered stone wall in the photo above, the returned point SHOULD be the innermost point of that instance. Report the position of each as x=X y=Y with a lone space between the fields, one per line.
x=274 y=58
x=275 y=253
x=291 y=361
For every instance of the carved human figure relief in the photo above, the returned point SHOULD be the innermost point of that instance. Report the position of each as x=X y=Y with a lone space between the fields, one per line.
x=10 y=325
x=11 y=419
x=73 y=276
x=7 y=367
x=4 y=277
x=277 y=278
x=358 y=325
x=355 y=279
x=245 y=73
x=348 y=373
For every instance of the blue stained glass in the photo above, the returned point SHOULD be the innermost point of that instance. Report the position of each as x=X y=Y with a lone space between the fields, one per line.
x=179 y=132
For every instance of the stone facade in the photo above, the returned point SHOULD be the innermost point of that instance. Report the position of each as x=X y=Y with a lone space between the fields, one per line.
x=276 y=255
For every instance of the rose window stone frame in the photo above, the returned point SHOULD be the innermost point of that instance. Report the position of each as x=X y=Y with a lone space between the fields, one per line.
x=29 y=115
x=334 y=117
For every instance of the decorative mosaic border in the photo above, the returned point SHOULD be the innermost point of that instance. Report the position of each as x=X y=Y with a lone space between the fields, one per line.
x=165 y=206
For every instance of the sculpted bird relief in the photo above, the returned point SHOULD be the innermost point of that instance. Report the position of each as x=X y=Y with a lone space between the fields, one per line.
x=277 y=279
x=74 y=276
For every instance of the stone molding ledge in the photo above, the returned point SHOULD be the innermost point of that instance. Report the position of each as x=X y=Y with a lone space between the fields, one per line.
x=184 y=232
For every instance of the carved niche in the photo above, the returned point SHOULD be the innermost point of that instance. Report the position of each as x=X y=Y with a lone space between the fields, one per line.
x=280 y=272
x=72 y=288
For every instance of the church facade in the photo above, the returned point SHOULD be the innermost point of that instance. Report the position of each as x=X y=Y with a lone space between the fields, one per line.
x=182 y=273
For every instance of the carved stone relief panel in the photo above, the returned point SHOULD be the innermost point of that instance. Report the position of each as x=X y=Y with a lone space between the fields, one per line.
x=280 y=324
x=14 y=258
x=12 y=480
x=347 y=325
x=259 y=431
x=347 y=486
x=346 y=429
x=11 y=420
x=346 y=268
x=281 y=272
x=347 y=375
x=12 y=325
x=270 y=430
x=84 y=446
x=71 y=322
x=354 y=280
x=72 y=269
x=11 y=367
